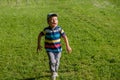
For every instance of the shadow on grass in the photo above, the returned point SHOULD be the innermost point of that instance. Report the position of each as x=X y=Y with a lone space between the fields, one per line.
x=36 y=78
x=28 y=79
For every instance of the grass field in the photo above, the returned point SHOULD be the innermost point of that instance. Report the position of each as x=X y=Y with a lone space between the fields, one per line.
x=93 y=29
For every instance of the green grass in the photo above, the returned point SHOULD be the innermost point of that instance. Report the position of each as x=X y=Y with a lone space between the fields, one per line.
x=93 y=29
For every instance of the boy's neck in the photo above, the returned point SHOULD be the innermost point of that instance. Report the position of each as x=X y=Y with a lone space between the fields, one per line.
x=53 y=27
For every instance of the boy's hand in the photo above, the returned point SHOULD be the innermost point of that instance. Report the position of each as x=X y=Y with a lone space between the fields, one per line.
x=39 y=48
x=69 y=49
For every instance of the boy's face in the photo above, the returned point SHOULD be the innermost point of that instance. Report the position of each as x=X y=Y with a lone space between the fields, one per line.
x=53 y=21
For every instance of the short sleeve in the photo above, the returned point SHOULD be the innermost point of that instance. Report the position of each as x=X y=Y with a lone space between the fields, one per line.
x=62 y=32
x=43 y=32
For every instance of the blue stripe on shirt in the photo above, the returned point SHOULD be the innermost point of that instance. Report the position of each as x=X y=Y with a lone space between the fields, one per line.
x=54 y=50
x=52 y=36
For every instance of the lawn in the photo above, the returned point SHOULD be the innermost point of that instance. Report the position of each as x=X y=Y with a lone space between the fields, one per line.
x=93 y=29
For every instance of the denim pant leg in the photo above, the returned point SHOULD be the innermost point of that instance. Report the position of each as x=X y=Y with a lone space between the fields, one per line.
x=54 y=61
x=58 y=56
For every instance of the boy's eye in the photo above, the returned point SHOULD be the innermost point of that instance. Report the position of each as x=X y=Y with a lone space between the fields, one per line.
x=56 y=19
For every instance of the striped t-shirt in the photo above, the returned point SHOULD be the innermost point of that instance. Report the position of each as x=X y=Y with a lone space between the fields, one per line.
x=52 y=39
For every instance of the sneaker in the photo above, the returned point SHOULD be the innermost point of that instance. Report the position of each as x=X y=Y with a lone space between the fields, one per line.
x=53 y=77
x=54 y=74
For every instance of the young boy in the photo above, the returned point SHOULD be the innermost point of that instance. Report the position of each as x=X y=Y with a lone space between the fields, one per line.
x=52 y=34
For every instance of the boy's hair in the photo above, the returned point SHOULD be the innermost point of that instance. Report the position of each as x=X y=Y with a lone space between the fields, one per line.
x=51 y=15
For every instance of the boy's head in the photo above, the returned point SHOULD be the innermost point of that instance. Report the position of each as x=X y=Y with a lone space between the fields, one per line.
x=52 y=19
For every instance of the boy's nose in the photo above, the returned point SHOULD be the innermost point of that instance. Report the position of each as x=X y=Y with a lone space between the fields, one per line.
x=54 y=20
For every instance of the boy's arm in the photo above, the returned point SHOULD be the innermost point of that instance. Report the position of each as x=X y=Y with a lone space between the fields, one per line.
x=67 y=44
x=39 y=47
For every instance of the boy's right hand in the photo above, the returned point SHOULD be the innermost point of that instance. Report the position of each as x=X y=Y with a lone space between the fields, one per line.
x=39 y=48
x=69 y=49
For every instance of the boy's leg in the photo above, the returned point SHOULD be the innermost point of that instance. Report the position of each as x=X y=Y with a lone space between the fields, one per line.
x=52 y=61
x=57 y=57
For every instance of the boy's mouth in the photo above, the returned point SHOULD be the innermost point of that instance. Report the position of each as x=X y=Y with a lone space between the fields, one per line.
x=53 y=23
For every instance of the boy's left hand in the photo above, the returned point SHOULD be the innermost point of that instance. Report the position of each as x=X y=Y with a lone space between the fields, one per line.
x=69 y=49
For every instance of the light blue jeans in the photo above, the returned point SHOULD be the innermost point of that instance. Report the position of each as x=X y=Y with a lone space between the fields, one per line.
x=54 y=61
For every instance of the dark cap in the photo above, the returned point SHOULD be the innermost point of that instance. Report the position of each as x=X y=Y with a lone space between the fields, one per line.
x=51 y=15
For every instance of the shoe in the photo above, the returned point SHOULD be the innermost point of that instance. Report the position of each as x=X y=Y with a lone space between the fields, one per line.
x=53 y=77
x=55 y=74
